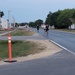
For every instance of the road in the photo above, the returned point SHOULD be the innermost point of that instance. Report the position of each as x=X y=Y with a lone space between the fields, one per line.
x=65 y=39
x=61 y=63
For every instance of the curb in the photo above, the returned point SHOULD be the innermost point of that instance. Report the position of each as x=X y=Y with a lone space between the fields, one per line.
x=62 y=47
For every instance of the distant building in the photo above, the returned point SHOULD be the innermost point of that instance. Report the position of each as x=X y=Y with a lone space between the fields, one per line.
x=25 y=26
x=72 y=26
x=52 y=27
x=43 y=26
x=4 y=24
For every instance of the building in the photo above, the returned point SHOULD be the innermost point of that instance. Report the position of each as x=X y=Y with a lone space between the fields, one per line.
x=43 y=26
x=72 y=26
x=4 y=24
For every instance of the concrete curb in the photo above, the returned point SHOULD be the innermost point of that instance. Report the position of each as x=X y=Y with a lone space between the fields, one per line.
x=62 y=47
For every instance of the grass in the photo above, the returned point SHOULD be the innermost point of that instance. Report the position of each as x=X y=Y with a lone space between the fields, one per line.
x=22 y=32
x=3 y=49
x=19 y=48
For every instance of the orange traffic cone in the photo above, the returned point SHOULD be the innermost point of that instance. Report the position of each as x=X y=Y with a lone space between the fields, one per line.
x=10 y=50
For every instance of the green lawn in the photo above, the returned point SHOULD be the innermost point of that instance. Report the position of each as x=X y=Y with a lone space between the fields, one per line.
x=19 y=48
x=21 y=32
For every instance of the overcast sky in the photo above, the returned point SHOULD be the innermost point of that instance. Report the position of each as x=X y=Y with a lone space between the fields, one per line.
x=31 y=10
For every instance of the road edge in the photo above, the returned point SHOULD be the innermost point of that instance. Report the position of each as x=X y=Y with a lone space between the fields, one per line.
x=62 y=47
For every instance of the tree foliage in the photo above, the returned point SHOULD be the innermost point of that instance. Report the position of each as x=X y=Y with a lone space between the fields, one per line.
x=37 y=22
x=54 y=17
x=1 y=13
x=48 y=19
x=32 y=24
x=16 y=24
x=61 y=18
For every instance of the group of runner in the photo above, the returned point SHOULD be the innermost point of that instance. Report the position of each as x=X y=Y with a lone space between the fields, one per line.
x=46 y=28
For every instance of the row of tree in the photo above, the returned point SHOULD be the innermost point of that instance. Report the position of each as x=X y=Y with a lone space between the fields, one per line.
x=37 y=22
x=61 y=18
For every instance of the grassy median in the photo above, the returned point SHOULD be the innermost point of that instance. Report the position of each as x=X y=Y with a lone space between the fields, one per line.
x=22 y=32
x=19 y=48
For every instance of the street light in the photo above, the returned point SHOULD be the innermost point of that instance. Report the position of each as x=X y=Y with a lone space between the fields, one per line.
x=9 y=19
x=0 y=21
x=13 y=21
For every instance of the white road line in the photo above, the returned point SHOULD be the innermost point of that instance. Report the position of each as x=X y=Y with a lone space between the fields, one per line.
x=62 y=47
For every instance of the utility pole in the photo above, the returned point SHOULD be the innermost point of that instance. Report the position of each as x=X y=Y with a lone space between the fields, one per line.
x=13 y=21
x=9 y=19
x=0 y=21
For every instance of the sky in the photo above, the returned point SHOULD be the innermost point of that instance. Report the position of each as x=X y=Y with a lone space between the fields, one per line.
x=32 y=10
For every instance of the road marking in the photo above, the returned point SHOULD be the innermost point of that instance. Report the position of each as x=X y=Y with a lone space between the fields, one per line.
x=62 y=47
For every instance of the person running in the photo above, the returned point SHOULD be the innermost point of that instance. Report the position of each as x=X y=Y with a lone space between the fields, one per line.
x=37 y=28
x=46 y=29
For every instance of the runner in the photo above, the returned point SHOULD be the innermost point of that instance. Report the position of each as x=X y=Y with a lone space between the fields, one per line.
x=46 y=29
x=37 y=28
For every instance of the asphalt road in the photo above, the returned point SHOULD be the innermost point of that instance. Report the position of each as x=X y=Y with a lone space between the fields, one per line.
x=61 y=63
x=64 y=39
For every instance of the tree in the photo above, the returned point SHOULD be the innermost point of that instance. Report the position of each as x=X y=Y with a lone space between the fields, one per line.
x=39 y=22
x=54 y=17
x=1 y=14
x=73 y=17
x=64 y=23
x=32 y=24
x=61 y=18
x=16 y=24
x=48 y=19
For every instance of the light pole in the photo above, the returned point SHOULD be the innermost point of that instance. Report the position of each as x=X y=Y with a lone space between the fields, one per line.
x=9 y=19
x=0 y=21
x=13 y=21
